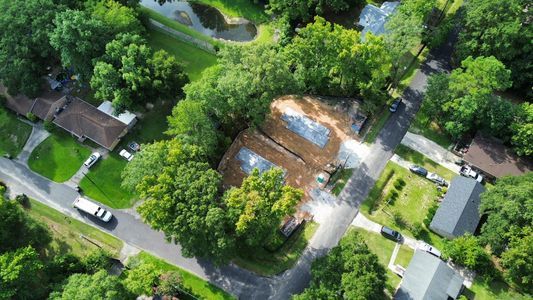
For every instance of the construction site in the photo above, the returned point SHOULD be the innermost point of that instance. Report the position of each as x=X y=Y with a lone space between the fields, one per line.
x=303 y=136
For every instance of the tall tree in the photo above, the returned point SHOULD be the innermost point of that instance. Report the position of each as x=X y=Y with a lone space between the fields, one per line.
x=522 y=129
x=467 y=251
x=502 y=29
x=17 y=229
x=80 y=39
x=130 y=73
x=100 y=285
x=20 y=275
x=329 y=59
x=190 y=123
x=259 y=205
x=509 y=205
x=181 y=201
x=25 y=49
x=120 y=18
x=142 y=279
x=349 y=271
x=462 y=100
x=305 y=10
x=518 y=260
x=241 y=88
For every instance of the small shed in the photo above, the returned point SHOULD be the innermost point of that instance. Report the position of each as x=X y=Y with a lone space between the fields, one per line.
x=126 y=117
x=458 y=212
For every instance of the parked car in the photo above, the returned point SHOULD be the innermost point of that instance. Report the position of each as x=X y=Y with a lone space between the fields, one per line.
x=92 y=159
x=418 y=170
x=92 y=209
x=395 y=104
x=437 y=179
x=391 y=234
x=128 y=156
x=467 y=171
x=429 y=249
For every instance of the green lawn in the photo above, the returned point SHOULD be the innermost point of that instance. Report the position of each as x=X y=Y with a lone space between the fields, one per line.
x=194 y=59
x=266 y=263
x=58 y=157
x=495 y=290
x=13 y=133
x=340 y=180
x=67 y=233
x=421 y=160
x=412 y=202
x=102 y=183
x=383 y=248
x=197 y=286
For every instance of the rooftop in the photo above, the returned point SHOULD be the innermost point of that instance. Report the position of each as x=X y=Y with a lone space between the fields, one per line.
x=493 y=157
x=428 y=277
x=458 y=213
x=373 y=18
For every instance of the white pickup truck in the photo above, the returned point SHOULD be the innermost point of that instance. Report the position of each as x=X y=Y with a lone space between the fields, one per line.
x=467 y=171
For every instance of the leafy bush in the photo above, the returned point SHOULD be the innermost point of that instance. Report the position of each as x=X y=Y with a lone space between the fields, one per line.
x=23 y=200
x=97 y=261
x=171 y=284
x=467 y=251
x=417 y=229
x=49 y=126
x=30 y=116
x=431 y=213
x=398 y=219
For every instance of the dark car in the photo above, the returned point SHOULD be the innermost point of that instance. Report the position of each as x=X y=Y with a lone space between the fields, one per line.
x=418 y=170
x=395 y=104
x=391 y=234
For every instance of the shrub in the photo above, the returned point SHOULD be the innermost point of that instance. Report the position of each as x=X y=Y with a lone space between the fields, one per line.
x=467 y=251
x=96 y=261
x=23 y=200
x=49 y=126
x=398 y=219
x=399 y=184
x=170 y=284
x=431 y=213
x=30 y=116
x=417 y=229
x=3 y=189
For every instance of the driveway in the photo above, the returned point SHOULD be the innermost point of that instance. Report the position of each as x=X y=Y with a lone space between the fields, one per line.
x=432 y=150
x=37 y=136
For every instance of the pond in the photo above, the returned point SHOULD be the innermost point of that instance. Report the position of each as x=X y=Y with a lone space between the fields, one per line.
x=204 y=19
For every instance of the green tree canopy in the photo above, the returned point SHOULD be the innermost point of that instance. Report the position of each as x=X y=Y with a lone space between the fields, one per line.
x=464 y=100
x=305 y=10
x=119 y=17
x=149 y=163
x=259 y=205
x=501 y=29
x=17 y=229
x=349 y=271
x=518 y=260
x=509 y=205
x=467 y=251
x=20 y=275
x=522 y=129
x=190 y=123
x=97 y=286
x=182 y=202
x=142 y=279
x=25 y=50
x=329 y=59
x=80 y=39
x=240 y=89
x=130 y=73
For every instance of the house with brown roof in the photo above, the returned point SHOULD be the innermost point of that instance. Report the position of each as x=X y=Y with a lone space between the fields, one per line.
x=20 y=104
x=45 y=105
x=492 y=157
x=85 y=121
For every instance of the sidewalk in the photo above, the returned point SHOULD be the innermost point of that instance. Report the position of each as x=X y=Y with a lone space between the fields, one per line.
x=432 y=150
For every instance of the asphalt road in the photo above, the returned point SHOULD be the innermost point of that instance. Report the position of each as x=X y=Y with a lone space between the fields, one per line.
x=239 y=282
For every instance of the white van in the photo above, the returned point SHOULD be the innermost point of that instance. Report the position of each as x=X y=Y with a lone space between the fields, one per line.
x=92 y=208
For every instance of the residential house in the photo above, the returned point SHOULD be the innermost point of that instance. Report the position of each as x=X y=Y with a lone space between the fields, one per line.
x=429 y=278
x=373 y=18
x=458 y=213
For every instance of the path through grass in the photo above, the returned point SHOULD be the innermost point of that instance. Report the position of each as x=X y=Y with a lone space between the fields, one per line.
x=58 y=157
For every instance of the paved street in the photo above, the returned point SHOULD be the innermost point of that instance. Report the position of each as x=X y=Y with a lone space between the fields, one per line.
x=235 y=280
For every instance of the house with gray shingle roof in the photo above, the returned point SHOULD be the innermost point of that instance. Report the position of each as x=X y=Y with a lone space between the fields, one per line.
x=373 y=18
x=429 y=278
x=459 y=211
